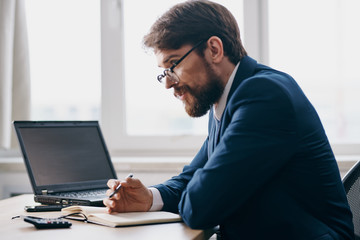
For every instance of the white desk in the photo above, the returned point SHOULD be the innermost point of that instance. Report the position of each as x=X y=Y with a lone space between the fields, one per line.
x=18 y=229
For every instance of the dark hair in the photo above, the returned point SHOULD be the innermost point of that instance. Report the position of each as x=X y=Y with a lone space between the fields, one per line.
x=195 y=20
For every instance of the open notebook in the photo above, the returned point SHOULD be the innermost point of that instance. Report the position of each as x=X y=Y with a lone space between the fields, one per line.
x=99 y=215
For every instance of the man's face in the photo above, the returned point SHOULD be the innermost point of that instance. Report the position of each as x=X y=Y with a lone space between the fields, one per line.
x=199 y=87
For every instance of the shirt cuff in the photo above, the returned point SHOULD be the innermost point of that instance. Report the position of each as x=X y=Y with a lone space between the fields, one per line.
x=157 y=200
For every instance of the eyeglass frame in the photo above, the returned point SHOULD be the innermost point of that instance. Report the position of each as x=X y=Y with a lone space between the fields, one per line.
x=160 y=77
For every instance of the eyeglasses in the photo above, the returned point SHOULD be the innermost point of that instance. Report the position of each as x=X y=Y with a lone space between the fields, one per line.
x=170 y=71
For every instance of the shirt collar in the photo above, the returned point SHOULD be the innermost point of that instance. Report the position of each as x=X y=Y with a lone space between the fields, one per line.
x=220 y=107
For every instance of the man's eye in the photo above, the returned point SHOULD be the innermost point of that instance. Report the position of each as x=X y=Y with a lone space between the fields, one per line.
x=172 y=62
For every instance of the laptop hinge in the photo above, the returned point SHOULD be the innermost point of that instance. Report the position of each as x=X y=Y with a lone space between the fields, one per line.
x=44 y=192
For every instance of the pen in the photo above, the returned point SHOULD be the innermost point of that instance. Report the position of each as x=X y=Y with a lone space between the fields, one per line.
x=119 y=186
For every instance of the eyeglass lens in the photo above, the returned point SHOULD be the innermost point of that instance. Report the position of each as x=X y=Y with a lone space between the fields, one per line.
x=170 y=75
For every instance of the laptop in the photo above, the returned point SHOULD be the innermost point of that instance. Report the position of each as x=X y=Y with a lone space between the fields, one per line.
x=67 y=161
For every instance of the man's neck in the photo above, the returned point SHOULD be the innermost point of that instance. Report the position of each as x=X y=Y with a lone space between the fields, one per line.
x=219 y=107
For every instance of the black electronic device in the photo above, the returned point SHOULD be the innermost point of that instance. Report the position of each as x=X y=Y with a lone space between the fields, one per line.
x=44 y=208
x=46 y=223
x=67 y=161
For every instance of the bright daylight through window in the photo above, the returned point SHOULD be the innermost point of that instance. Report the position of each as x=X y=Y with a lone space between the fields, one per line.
x=319 y=47
x=64 y=46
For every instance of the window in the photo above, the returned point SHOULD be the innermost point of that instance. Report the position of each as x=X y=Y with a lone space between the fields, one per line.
x=64 y=46
x=317 y=43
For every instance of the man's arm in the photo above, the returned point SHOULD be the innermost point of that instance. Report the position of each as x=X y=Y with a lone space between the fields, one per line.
x=134 y=196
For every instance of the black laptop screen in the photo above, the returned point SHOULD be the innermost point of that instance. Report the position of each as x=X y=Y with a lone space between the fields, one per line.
x=66 y=154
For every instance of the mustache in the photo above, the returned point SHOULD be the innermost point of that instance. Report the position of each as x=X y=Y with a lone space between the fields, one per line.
x=178 y=91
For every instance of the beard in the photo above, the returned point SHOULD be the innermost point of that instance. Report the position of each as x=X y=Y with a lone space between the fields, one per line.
x=202 y=97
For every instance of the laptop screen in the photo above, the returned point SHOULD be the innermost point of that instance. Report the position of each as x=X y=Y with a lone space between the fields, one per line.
x=65 y=154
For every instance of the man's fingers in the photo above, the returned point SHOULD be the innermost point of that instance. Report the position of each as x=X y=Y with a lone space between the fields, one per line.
x=108 y=210
x=106 y=202
x=109 y=204
x=131 y=182
x=116 y=196
x=108 y=192
x=112 y=183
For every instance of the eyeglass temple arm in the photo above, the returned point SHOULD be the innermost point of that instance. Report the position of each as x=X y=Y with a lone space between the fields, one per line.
x=178 y=61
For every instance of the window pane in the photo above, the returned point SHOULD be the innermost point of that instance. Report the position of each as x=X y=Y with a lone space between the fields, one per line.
x=317 y=42
x=150 y=108
x=64 y=43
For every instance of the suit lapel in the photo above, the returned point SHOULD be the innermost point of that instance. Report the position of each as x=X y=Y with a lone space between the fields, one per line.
x=245 y=70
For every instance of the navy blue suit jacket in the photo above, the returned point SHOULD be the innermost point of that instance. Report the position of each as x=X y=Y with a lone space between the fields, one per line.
x=270 y=173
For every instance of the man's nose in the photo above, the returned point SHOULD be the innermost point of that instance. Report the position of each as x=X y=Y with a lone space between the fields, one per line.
x=169 y=83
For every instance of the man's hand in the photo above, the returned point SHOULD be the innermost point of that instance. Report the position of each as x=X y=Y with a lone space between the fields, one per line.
x=133 y=196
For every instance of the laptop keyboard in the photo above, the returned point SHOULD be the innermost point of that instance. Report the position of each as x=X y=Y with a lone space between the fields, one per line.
x=84 y=194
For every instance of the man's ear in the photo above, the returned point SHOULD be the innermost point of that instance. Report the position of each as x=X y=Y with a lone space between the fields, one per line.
x=216 y=49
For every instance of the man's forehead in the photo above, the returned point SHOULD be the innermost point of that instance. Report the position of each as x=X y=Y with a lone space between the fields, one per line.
x=163 y=56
